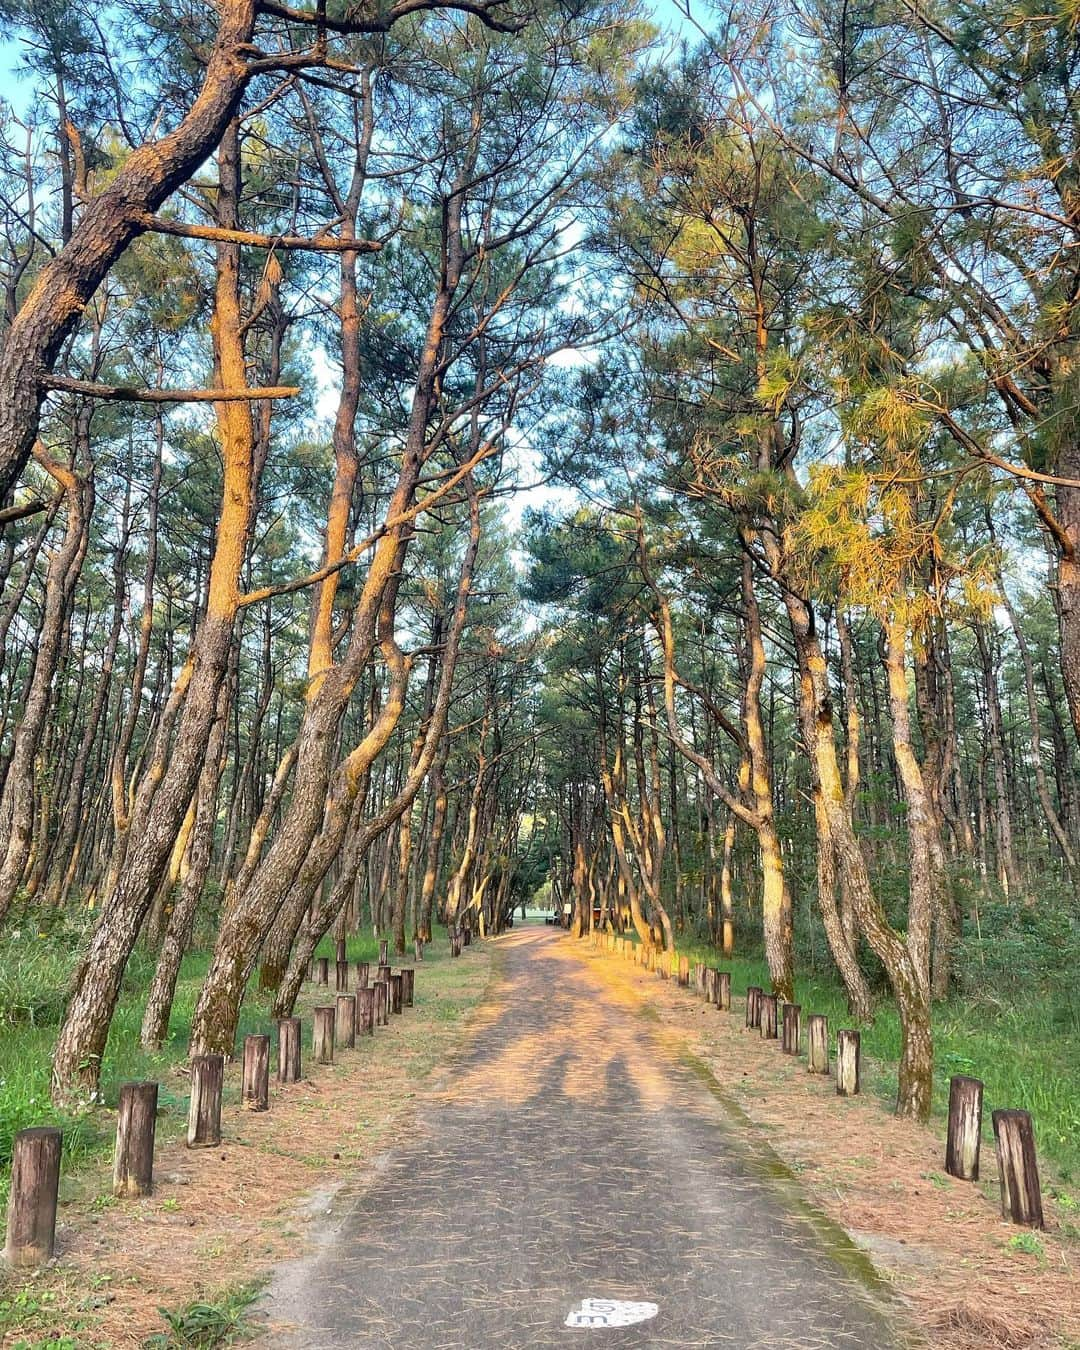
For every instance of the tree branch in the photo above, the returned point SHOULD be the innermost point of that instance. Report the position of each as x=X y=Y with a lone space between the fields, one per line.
x=123 y=393
x=12 y=513
x=251 y=239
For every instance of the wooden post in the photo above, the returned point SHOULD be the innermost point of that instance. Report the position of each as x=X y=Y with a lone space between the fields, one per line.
x=341 y=977
x=35 y=1179
x=322 y=1034
x=723 y=998
x=847 y=1063
x=817 y=1051
x=340 y=952
x=964 y=1129
x=408 y=985
x=1021 y=1196
x=383 y=972
x=684 y=972
x=394 y=992
x=365 y=1011
x=345 y=1021
x=136 y=1122
x=381 y=990
x=384 y=951
x=362 y=971
x=418 y=949
x=255 y=1079
x=709 y=984
x=768 y=1016
x=204 y=1111
x=792 y=1027
x=322 y=970
x=289 y=1056
x=753 y=1007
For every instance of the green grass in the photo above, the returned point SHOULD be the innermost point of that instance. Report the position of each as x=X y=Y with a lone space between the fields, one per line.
x=1026 y=1054
x=36 y=966
x=37 y=1312
x=204 y=1325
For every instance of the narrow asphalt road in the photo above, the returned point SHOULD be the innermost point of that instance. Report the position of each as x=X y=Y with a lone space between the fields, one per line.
x=574 y=1154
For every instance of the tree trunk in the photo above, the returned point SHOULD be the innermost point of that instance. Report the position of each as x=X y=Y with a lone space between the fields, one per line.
x=167 y=785
x=18 y=803
x=155 y=1025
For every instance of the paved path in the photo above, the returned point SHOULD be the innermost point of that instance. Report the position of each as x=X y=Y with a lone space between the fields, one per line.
x=574 y=1155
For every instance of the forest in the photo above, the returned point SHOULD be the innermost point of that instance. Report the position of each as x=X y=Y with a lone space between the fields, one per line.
x=458 y=455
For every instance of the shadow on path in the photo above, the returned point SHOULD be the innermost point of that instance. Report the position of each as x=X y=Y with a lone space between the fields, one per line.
x=574 y=1154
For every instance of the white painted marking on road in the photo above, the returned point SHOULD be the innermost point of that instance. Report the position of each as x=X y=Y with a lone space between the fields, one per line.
x=609 y=1312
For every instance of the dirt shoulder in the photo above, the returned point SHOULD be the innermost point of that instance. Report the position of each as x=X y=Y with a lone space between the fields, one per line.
x=968 y=1278
x=221 y=1218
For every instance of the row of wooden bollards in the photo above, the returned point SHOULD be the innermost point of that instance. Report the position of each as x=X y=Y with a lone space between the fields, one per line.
x=1021 y=1197
x=35 y=1164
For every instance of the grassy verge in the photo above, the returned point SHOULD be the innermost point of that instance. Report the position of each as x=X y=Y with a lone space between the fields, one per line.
x=1019 y=1051
x=35 y=972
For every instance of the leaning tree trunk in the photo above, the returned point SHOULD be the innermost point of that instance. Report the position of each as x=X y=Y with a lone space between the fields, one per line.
x=166 y=788
x=66 y=852
x=910 y=987
x=326 y=911
x=322 y=795
x=18 y=805
x=177 y=939
x=434 y=845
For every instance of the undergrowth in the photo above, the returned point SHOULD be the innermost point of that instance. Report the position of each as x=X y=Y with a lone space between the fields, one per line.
x=37 y=962
x=205 y=1325
x=1013 y=1021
